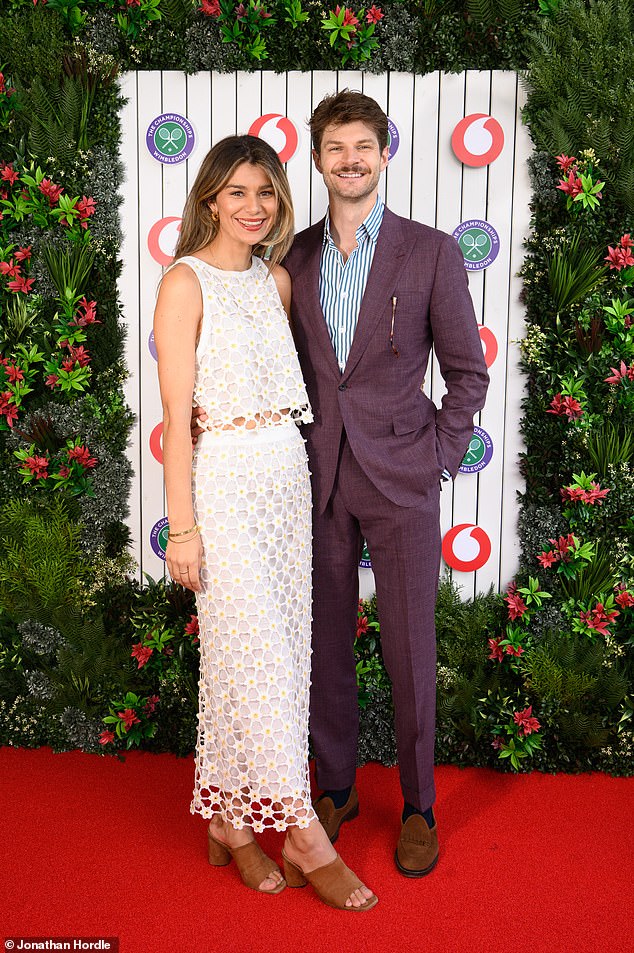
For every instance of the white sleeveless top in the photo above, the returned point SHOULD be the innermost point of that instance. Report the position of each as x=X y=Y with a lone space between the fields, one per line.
x=247 y=370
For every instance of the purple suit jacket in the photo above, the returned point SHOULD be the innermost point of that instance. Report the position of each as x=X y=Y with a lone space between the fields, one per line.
x=398 y=436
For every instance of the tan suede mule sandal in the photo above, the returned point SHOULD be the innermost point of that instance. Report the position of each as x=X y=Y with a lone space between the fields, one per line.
x=252 y=863
x=333 y=883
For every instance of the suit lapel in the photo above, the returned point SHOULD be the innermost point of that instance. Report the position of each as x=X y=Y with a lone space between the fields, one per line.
x=389 y=257
x=306 y=297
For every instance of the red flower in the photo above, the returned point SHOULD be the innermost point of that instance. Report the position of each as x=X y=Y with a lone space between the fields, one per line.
x=565 y=407
x=129 y=716
x=68 y=364
x=526 y=722
x=598 y=619
x=22 y=253
x=38 y=466
x=51 y=380
x=150 y=705
x=50 y=190
x=142 y=653
x=498 y=742
x=88 y=317
x=572 y=186
x=619 y=258
x=13 y=373
x=513 y=650
x=21 y=284
x=9 y=174
x=10 y=268
x=349 y=18
x=497 y=652
x=7 y=408
x=86 y=207
x=565 y=162
x=80 y=355
x=82 y=456
x=64 y=472
x=548 y=559
x=106 y=737
x=374 y=14
x=241 y=11
x=625 y=599
x=362 y=625
x=625 y=373
x=210 y=8
x=516 y=606
x=626 y=241
x=192 y=627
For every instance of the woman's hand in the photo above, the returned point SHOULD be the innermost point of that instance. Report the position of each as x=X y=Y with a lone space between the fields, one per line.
x=184 y=561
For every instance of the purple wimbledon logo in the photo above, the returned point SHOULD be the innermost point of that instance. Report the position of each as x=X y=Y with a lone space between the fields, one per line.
x=170 y=138
x=393 y=139
x=479 y=243
x=158 y=537
x=479 y=452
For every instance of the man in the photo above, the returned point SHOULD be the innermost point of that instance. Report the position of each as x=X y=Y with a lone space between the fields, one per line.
x=371 y=293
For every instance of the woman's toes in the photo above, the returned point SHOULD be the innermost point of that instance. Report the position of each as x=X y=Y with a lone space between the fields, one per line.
x=271 y=882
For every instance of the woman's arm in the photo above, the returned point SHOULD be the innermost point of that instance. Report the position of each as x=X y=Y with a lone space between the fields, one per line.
x=283 y=282
x=176 y=322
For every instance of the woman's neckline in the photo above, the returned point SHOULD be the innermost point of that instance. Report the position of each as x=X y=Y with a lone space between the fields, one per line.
x=227 y=271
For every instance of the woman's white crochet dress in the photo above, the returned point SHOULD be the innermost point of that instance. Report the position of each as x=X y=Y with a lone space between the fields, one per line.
x=252 y=500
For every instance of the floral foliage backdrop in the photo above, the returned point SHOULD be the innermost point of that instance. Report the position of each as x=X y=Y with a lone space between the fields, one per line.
x=539 y=676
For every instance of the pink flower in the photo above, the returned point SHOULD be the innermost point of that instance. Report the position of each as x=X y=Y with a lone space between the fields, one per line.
x=23 y=253
x=497 y=652
x=38 y=466
x=51 y=191
x=241 y=11
x=525 y=721
x=86 y=207
x=625 y=373
x=516 y=606
x=374 y=14
x=598 y=618
x=80 y=355
x=572 y=186
x=82 y=456
x=349 y=18
x=129 y=716
x=51 y=380
x=497 y=743
x=210 y=8
x=10 y=269
x=106 y=737
x=565 y=163
x=7 y=408
x=626 y=241
x=142 y=653
x=548 y=559
x=9 y=174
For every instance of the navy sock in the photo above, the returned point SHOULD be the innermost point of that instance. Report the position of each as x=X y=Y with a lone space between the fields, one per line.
x=428 y=815
x=339 y=798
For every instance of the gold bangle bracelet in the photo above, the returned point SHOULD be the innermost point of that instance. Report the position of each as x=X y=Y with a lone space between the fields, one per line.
x=184 y=532
x=194 y=532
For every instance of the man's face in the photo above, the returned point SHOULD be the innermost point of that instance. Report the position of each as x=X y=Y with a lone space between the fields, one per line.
x=350 y=160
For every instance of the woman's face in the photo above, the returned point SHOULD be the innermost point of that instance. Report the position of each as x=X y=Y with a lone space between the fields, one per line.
x=247 y=205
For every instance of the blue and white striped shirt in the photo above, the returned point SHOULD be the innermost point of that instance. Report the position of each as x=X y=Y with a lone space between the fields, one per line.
x=342 y=283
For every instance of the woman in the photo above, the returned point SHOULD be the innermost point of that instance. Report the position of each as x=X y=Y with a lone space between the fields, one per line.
x=239 y=517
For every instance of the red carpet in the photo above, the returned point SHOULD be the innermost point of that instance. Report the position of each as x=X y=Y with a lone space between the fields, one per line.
x=530 y=864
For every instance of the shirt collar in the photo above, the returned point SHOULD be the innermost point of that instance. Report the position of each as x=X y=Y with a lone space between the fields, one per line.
x=369 y=227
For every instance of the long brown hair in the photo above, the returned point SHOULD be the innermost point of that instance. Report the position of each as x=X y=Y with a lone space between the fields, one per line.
x=198 y=228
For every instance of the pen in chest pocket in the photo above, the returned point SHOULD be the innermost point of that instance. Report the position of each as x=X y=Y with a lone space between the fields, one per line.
x=392 y=344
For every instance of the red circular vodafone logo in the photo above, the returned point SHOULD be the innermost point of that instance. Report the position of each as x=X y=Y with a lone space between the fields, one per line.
x=466 y=547
x=489 y=345
x=280 y=133
x=162 y=238
x=478 y=139
x=156 y=443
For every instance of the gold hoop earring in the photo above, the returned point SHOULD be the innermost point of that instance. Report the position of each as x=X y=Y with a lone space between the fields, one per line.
x=214 y=214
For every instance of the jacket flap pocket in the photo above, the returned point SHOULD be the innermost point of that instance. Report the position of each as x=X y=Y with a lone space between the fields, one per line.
x=414 y=419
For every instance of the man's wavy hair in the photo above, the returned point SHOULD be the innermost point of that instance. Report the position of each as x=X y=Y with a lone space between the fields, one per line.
x=345 y=107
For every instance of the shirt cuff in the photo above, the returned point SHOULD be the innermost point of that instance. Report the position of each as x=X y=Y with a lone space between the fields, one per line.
x=445 y=475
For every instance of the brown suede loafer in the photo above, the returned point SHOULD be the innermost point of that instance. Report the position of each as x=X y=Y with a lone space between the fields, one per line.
x=417 y=848
x=331 y=817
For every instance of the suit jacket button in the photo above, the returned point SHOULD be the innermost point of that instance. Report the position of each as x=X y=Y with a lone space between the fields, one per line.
x=343 y=386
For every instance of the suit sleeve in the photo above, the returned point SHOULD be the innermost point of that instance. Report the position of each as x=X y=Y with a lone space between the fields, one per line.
x=459 y=353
